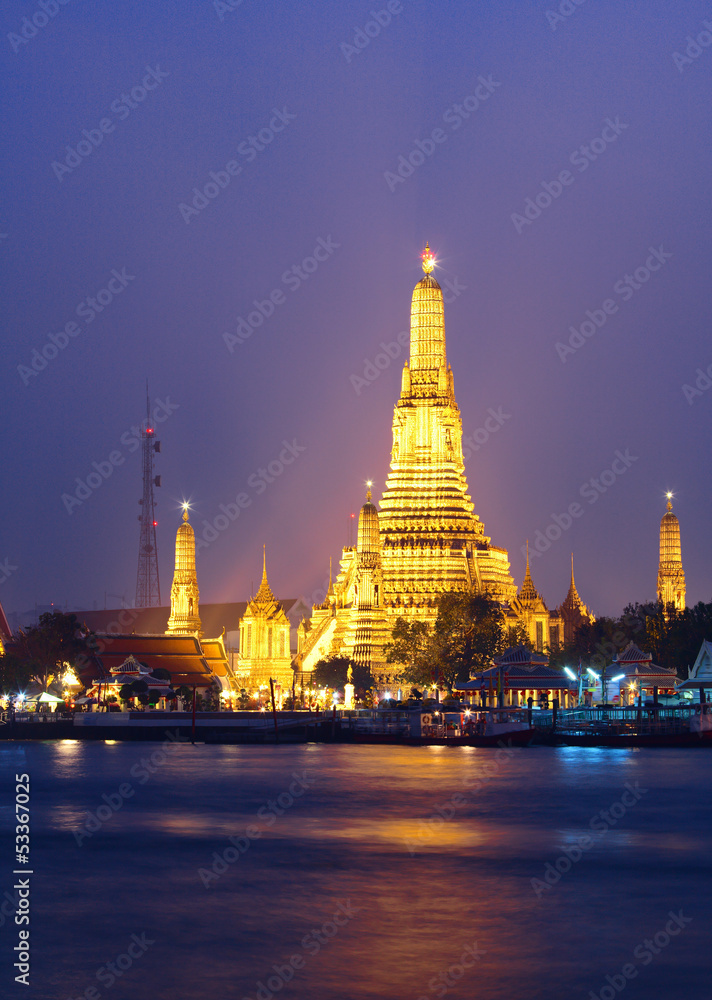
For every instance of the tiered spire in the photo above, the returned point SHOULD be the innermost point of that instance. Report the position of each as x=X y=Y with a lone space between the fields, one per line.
x=528 y=592
x=185 y=615
x=671 y=576
x=572 y=599
x=264 y=595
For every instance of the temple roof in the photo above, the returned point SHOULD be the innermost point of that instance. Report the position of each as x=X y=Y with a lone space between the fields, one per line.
x=152 y=621
x=572 y=602
x=5 y=630
x=528 y=594
x=521 y=655
x=181 y=655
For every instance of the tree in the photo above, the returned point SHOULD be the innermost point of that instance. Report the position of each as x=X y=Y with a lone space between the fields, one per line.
x=331 y=672
x=15 y=673
x=56 y=639
x=125 y=693
x=410 y=647
x=161 y=674
x=469 y=632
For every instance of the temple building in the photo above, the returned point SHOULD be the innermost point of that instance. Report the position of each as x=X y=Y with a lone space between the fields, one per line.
x=185 y=616
x=569 y=616
x=264 y=641
x=426 y=537
x=529 y=609
x=671 y=576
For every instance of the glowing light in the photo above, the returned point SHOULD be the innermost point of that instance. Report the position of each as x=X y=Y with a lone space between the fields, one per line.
x=468 y=712
x=155 y=523
x=618 y=677
x=569 y=673
x=428 y=258
x=593 y=673
x=669 y=495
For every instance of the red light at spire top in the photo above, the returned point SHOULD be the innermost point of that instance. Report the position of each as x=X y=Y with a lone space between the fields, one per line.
x=155 y=524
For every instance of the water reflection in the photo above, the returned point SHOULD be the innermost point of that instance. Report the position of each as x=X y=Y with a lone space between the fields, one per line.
x=431 y=851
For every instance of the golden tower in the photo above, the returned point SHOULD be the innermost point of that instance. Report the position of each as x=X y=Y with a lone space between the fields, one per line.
x=426 y=538
x=671 y=577
x=531 y=610
x=572 y=612
x=431 y=538
x=264 y=638
x=185 y=616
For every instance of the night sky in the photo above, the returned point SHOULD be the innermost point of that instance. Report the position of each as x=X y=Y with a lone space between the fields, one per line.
x=519 y=97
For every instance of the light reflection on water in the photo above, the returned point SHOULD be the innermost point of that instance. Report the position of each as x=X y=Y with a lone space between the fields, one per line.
x=436 y=849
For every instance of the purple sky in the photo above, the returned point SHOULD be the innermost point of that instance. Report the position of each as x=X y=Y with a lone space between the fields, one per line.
x=520 y=287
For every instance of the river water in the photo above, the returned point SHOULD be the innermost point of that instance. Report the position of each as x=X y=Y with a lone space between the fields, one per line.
x=384 y=872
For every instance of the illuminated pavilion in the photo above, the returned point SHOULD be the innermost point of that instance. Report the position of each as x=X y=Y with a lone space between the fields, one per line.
x=426 y=538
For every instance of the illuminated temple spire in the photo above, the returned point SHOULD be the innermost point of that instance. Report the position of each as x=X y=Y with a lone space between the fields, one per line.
x=264 y=595
x=528 y=591
x=185 y=616
x=431 y=538
x=671 y=577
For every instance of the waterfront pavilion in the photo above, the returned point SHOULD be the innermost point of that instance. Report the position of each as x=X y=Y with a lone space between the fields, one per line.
x=700 y=675
x=640 y=674
x=520 y=674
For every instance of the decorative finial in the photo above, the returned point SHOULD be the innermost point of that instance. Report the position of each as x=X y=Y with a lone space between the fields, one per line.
x=369 y=483
x=669 y=496
x=527 y=555
x=428 y=258
x=186 y=507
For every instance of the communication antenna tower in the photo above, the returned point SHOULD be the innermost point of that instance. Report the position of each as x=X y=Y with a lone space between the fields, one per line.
x=148 y=588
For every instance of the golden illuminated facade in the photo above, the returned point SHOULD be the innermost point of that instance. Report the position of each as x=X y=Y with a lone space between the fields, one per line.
x=671 y=577
x=185 y=615
x=432 y=540
x=264 y=640
x=529 y=609
x=426 y=538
